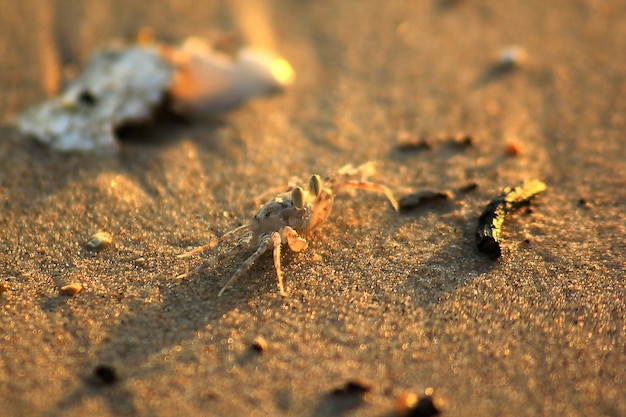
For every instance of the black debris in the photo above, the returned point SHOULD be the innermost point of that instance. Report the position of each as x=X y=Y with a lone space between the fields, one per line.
x=462 y=140
x=469 y=187
x=351 y=388
x=105 y=374
x=584 y=203
x=415 y=200
x=490 y=221
x=411 y=405
x=408 y=143
x=87 y=98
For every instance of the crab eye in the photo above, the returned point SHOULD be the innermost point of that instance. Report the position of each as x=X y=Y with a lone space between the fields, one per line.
x=297 y=196
x=315 y=185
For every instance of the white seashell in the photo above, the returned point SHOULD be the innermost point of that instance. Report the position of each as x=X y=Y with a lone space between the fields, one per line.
x=116 y=87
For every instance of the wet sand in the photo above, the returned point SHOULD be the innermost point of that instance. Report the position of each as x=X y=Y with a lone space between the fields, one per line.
x=397 y=301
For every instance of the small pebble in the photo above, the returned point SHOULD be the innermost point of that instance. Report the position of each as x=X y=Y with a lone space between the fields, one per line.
x=105 y=374
x=405 y=403
x=3 y=287
x=410 y=405
x=582 y=202
x=71 y=289
x=513 y=149
x=259 y=344
x=99 y=240
x=512 y=56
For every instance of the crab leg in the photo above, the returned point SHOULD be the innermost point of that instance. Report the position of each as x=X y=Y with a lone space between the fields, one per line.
x=295 y=242
x=368 y=186
x=263 y=246
x=279 y=272
x=243 y=242
x=212 y=243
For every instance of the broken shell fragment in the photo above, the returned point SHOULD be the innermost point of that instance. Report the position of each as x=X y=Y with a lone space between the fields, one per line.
x=115 y=88
x=99 y=240
x=120 y=87
x=512 y=56
x=71 y=289
x=207 y=81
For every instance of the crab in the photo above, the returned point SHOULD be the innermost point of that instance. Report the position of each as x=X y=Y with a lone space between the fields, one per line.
x=283 y=219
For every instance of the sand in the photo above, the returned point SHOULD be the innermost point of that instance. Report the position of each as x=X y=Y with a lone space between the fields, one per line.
x=390 y=302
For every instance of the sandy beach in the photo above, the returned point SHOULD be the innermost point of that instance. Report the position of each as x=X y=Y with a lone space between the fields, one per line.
x=381 y=303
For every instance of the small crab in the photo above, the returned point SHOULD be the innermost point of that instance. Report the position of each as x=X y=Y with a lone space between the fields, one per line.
x=282 y=219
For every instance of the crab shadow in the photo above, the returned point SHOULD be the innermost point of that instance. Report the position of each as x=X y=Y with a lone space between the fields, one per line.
x=439 y=274
x=141 y=147
x=119 y=399
x=188 y=306
x=495 y=73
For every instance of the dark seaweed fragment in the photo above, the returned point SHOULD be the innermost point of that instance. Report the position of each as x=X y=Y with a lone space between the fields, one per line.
x=415 y=200
x=490 y=221
x=408 y=143
x=469 y=187
x=352 y=387
x=489 y=228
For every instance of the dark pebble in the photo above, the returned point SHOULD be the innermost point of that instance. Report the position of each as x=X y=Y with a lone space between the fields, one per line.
x=105 y=374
